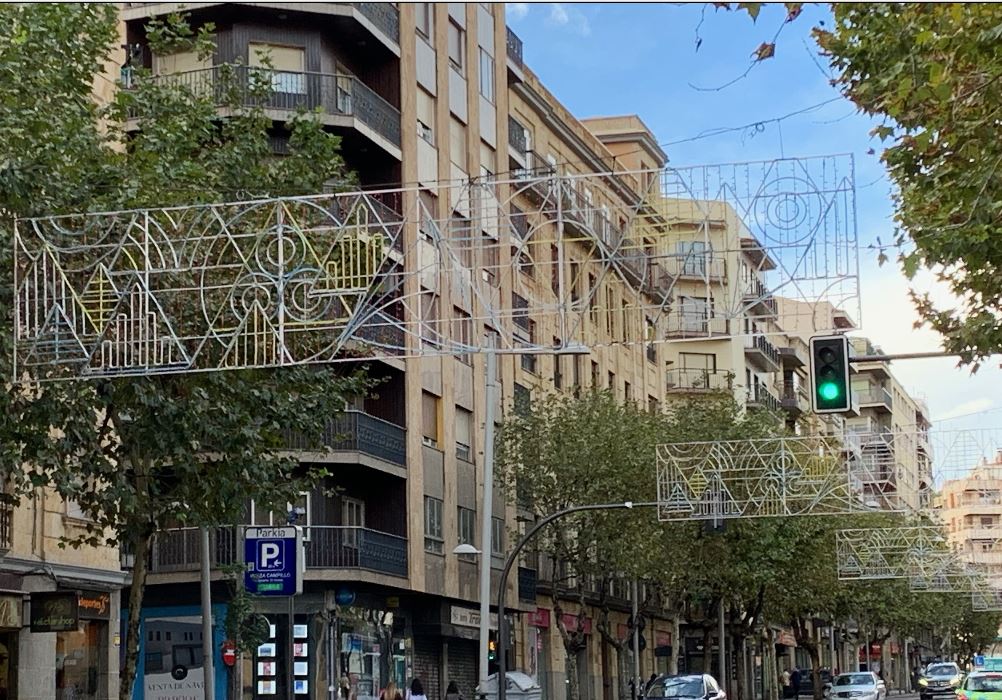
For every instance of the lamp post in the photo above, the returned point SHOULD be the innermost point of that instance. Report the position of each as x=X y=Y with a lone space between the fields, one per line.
x=510 y=560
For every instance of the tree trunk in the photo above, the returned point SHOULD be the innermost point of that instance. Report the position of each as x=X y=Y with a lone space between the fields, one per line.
x=676 y=643
x=738 y=657
x=815 y=655
x=571 y=671
x=623 y=667
x=707 y=650
x=141 y=547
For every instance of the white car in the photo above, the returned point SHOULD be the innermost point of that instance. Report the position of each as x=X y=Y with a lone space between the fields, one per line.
x=864 y=685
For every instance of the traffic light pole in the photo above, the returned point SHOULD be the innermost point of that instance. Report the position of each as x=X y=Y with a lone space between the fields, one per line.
x=510 y=561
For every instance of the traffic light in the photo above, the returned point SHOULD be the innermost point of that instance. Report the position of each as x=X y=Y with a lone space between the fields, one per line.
x=830 y=374
x=492 y=649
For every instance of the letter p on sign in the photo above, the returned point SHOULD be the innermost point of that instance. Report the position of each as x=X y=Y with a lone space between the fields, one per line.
x=269 y=556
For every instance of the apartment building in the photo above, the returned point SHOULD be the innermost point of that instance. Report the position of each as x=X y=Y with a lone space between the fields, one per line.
x=429 y=94
x=970 y=508
x=893 y=432
x=59 y=606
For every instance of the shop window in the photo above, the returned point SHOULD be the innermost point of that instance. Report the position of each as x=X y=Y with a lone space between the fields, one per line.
x=433 y=538
x=80 y=660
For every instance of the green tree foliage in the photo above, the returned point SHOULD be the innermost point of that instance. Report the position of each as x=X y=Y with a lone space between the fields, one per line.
x=933 y=73
x=140 y=454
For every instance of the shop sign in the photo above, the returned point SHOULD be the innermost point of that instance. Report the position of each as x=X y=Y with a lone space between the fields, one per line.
x=95 y=605
x=466 y=617
x=54 y=612
x=571 y=623
x=540 y=618
x=344 y=597
x=10 y=611
x=662 y=639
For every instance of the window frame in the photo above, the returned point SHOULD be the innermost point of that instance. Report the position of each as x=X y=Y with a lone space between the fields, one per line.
x=455 y=30
x=466 y=526
x=425 y=22
x=434 y=532
x=487 y=62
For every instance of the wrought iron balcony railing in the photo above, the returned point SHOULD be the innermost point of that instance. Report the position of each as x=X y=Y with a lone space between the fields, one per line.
x=327 y=547
x=760 y=396
x=356 y=431
x=698 y=380
x=334 y=94
x=384 y=15
x=516 y=137
x=514 y=47
x=759 y=344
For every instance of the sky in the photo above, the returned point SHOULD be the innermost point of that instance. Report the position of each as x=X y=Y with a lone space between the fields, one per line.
x=623 y=58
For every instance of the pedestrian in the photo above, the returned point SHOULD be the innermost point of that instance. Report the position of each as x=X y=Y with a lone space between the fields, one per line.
x=795 y=682
x=650 y=682
x=391 y=692
x=785 y=680
x=417 y=691
x=452 y=692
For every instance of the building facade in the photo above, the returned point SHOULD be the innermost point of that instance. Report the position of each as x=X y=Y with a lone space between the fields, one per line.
x=970 y=509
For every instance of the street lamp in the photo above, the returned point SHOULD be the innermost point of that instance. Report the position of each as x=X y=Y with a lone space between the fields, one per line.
x=466 y=549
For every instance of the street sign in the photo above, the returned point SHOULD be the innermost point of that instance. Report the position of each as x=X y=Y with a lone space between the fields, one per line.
x=979 y=660
x=273 y=557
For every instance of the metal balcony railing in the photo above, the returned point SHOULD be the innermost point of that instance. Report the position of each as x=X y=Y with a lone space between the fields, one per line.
x=516 y=136
x=342 y=94
x=760 y=396
x=384 y=15
x=514 y=45
x=519 y=224
x=682 y=324
x=6 y=527
x=876 y=396
x=759 y=344
x=335 y=547
x=696 y=266
x=356 y=431
x=759 y=296
x=697 y=380
x=327 y=547
x=793 y=396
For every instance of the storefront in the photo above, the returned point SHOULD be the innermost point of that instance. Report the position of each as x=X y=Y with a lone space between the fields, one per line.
x=81 y=640
x=11 y=607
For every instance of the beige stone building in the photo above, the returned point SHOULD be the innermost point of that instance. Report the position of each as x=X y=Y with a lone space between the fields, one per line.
x=970 y=508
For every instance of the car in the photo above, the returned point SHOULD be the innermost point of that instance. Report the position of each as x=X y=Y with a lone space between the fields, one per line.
x=862 y=685
x=939 y=680
x=981 y=685
x=807 y=681
x=695 y=686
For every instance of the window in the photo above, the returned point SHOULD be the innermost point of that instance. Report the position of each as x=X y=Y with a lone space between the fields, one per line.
x=576 y=371
x=73 y=510
x=287 y=64
x=180 y=62
x=425 y=12
x=486 y=75
x=612 y=381
x=695 y=314
x=430 y=334
x=466 y=525
x=693 y=256
x=352 y=516
x=627 y=391
x=260 y=516
x=426 y=116
x=462 y=333
x=497 y=537
x=429 y=412
x=596 y=375
x=462 y=236
x=433 y=539
x=491 y=259
x=523 y=400
x=653 y=405
x=558 y=376
x=457 y=47
x=464 y=434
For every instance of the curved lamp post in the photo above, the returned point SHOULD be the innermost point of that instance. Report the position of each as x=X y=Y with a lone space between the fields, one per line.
x=510 y=560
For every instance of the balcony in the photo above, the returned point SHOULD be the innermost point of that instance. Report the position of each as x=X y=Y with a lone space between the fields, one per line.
x=384 y=15
x=695 y=325
x=706 y=268
x=6 y=528
x=762 y=353
x=343 y=99
x=758 y=299
x=683 y=381
x=355 y=431
x=794 y=398
x=514 y=47
x=516 y=139
x=657 y=282
x=877 y=398
x=327 y=547
x=760 y=397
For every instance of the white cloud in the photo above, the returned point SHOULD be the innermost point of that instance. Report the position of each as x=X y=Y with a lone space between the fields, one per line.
x=517 y=10
x=563 y=16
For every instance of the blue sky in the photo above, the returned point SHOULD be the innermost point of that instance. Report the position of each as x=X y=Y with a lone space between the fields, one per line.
x=602 y=59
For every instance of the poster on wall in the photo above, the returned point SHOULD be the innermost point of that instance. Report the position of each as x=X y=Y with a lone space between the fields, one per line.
x=173 y=658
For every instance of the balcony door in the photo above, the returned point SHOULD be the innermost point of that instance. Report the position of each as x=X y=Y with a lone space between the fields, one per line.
x=693 y=255
x=697 y=368
x=288 y=72
x=352 y=517
x=695 y=314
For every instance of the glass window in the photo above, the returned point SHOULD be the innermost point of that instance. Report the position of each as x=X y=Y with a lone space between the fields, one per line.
x=352 y=516
x=497 y=537
x=425 y=19
x=462 y=333
x=429 y=411
x=430 y=337
x=287 y=63
x=426 y=116
x=433 y=539
x=486 y=75
x=467 y=525
x=79 y=661
x=523 y=400
x=464 y=434
x=457 y=47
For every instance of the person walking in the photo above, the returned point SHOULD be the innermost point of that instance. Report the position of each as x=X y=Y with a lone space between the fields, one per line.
x=391 y=692
x=785 y=680
x=795 y=682
x=452 y=692
x=416 y=691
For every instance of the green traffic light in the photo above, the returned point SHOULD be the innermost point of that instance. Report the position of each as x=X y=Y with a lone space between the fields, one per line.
x=829 y=391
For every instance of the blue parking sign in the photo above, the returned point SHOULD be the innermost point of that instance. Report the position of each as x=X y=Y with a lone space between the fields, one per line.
x=273 y=559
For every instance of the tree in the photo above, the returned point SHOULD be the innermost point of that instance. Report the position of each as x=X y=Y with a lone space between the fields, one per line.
x=932 y=72
x=140 y=454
